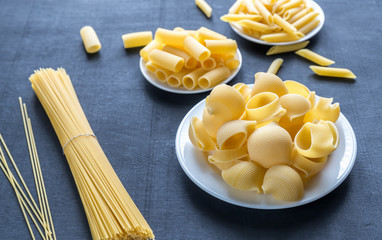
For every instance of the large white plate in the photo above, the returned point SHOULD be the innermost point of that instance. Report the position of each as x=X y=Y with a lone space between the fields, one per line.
x=237 y=28
x=150 y=77
x=207 y=177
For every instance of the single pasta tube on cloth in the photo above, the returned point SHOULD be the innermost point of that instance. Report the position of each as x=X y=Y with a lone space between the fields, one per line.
x=90 y=39
x=110 y=211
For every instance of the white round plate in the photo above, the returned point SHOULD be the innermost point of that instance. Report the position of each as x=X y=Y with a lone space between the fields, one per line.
x=195 y=164
x=150 y=77
x=237 y=28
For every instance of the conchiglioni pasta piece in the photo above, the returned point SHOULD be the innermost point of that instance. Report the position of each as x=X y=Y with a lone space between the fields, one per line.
x=199 y=136
x=270 y=145
x=226 y=165
x=228 y=155
x=234 y=134
x=268 y=82
x=244 y=89
x=300 y=89
x=246 y=175
x=264 y=107
x=225 y=102
x=283 y=183
x=315 y=140
x=211 y=123
x=323 y=110
x=307 y=166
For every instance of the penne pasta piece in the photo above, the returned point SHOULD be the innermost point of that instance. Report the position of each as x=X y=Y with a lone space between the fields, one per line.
x=288 y=14
x=287 y=48
x=314 y=57
x=299 y=15
x=250 y=7
x=203 y=5
x=281 y=37
x=267 y=16
x=289 y=5
x=277 y=4
x=175 y=79
x=162 y=74
x=235 y=7
x=310 y=26
x=237 y=17
x=286 y=26
x=169 y=37
x=190 y=80
x=208 y=64
x=196 y=49
x=189 y=62
x=137 y=39
x=213 y=77
x=274 y=67
x=166 y=60
x=305 y=20
x=178 y=29
x=205 y=33
x=90 y=39
x=333 y=72
x=257 y=26
x=227 y=47
x=148 y=48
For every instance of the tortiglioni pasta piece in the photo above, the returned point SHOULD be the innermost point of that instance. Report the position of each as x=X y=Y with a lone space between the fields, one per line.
x=203 y=5
x=175 y=79
x=205 y=33
x=333 y=72
x=90 y=39
x=162 y=74
x=169 y=37
x=213 y=77
x=190 y=80
x=314 y=57
x=152 y=67
x=148 y=48
x=166 y=60
x=137 y=39
x=189 y=62
x=227 y=47
x=275 y=65
x=196 y=49
x=208 y=64
x=287 y=48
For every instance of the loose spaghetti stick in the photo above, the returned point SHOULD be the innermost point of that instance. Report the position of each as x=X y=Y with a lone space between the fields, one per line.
x=333 y=72
x=287 y=48
x=314 y=57
x=203 y=5
x=137 y=39
x=90 y=39
x=274 y=67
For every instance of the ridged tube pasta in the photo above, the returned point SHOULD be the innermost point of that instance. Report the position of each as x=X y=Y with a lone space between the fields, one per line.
x=204 y=7
x=314 y=57
x=305 y=20
x=286 y=26
x=225 y=102
x=300 y=89
x=283 y=183
x=205 y=33
x=137 y=39
x=196 y=49
x=90 y=39
x=333 y=72
x=267 y=16
x=270 y=145
x=268 y=82
x=282 y=37
x=225 y=158
x=232 y=63
x=208 y=64
x=148 y=48
x=246 y=175
x=275 y=66
x=213 y=77
x=264 y=107
x=162 y=74
x=288 y=5
x=316 y=140
x=152 y=67
x=227 y=46
x=307 y=166
x=286 y=48
x=175 y=79
x=235 y=7
x=166 y=60
x=189 y=62
x=257 y=26
x=310 y=26
x=169 y=37
x=237 y=17
x=190 y=80
x=199 y=136
x=250 y=7
x=323 y=110
x=234 y=134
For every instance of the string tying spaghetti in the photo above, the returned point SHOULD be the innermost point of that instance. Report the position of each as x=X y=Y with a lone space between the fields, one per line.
x=80 y=135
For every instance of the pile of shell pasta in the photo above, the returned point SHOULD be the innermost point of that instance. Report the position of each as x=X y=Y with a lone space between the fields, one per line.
x=269 y=138
x=190 y=59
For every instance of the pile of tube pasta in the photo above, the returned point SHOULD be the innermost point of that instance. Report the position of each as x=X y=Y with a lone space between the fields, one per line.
x=269 y=138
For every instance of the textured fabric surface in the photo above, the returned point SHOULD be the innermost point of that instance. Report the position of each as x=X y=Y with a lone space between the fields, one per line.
x=136 y=123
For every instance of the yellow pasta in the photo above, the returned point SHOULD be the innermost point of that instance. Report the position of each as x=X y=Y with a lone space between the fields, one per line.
x=196 y=49
x=208 y=64
x=203 y=5
x=283 y=183
x=314 y=57
x=162 y=74
x=292 y=12
x=213 y=77
x=250 y=6
x=90 y=39
x=234 y=134
x=275 y=66
x=175 y=79
x=244 y=90
x=199 y=137
x=267 y=16
x=228 y=46
x=166 y=60
x=205 y=33
x=307 y=166
x=333 y=72
x=305 y=20
x=281 y=37
x=288 y=5
x=299 y=15
x=268 y=82
x=190 y=80
x=228 y=155
x=309 y=26
x=286 y=26
x=238 y=17
x=257 y=26
x=137 y=39
x=152 y=67
x=169 y=37
x=232 y=63
x=323 y=110
x=189 y=62
x=294 y=87
x=148 y=48
x=212 y=123
x=287 y=48
x=235 y=7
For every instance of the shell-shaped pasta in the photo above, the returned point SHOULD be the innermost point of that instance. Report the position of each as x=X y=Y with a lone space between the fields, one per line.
x=244 y=90
x=283 y=183
x=228 y=155
x=225 y=102
x=307 y=166
x=316 y=140
x=211 y=123
x=323 y=110
x=199 y=136
x=264 y=107
x=246 y=175
x=233 y=134
x=270 y=145
x=268 y=82
x=300 y=89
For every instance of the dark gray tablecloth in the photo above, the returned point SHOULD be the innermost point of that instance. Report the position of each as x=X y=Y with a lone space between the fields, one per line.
x=136 y=123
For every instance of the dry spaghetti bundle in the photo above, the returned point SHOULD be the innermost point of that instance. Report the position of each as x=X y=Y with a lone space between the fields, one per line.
x=110 y=211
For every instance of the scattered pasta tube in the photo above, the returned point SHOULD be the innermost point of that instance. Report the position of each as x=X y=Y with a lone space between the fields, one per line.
x=90 y=39
x=137 y=39
x=166 y=60
x=314 y=57
x=213 y=77
x=203 y=5
x=333 y=72
x=287 y=48
x=274 y=67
